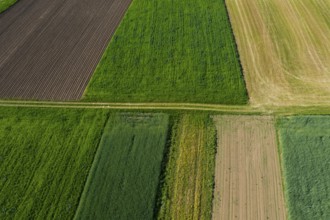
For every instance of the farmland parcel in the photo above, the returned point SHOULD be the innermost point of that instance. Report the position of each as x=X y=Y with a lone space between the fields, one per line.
x=248 y=182
x=188 y=188
x=123 y=182
x=171 y=51
x=305 y=145
x=284 y=49
x=45 y=157
x=49 y=49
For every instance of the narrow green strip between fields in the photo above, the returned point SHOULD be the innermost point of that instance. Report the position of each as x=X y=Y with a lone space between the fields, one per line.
x=189 y=178
x=124 y=179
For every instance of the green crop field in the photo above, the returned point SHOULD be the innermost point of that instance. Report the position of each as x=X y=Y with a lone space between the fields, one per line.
x=305 y=146
x=4 y=4
x=45 y=158
x=189 y=180
x=171 y=51
x=124 y=179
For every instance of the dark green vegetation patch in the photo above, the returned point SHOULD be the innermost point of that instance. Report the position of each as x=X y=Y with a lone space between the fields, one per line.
x=124 y=179
x=45 y=158
x=171 y=51
x=305 y=145
x=4 y=4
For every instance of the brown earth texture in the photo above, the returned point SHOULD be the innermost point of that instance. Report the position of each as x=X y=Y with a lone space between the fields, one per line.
x=50 y=48
x=248 y=183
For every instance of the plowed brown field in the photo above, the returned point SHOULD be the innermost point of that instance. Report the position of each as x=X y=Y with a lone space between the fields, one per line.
x=248 y=182
x=49 y=49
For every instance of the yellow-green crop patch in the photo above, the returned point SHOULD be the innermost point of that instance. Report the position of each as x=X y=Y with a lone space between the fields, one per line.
x=189 y=177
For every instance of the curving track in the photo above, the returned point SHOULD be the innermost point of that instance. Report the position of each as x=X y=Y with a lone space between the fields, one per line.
x=50 y=48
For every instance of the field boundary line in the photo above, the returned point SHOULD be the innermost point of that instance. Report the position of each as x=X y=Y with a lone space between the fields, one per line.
x=243 y=109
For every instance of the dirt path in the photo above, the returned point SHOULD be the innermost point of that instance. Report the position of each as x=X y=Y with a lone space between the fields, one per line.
x=248 y=176
x=49 y=48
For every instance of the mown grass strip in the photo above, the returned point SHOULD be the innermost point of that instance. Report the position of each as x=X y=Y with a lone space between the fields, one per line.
x=124 y=180
x=171 y=51
x=45 y=157
x=304 y=143
x=5 y=4
x=189 y=177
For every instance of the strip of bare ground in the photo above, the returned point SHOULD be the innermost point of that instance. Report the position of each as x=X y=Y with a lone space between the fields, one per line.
x=248 y=182
x=49 y=49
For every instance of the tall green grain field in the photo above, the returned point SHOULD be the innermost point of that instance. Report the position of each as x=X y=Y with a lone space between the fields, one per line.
x=45 y=158
x=124 y=180
x=305 y=151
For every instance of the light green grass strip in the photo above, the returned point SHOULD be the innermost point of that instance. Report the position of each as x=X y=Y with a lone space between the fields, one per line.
x=305 y=146
x=124 y=180
x=4 y=4
x=45 y=157
x=171 y=51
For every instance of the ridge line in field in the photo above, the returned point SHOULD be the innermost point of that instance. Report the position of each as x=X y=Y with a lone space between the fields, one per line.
x=133 y=106
x=244 y=109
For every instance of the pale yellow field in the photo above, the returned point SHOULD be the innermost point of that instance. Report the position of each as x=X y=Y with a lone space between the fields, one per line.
x=248 y=183
x=284 y=47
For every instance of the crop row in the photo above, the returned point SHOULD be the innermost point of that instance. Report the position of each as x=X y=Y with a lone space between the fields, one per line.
x=87 y=164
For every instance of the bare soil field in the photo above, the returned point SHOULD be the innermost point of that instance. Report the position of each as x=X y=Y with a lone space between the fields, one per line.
x=248 y=182
x=49 y=49
x=284 y=49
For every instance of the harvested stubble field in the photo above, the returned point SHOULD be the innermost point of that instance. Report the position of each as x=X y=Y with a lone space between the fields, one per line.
x=124 y=179
x=45 y=158
x=49 y=49
x=189 y=177
x=284 y=49
x=305 y=146
x=248 y=182
x=4 y=4
x=171 y=51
